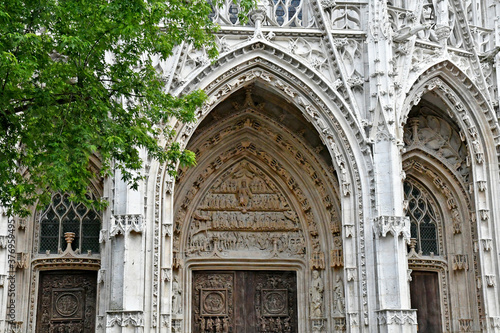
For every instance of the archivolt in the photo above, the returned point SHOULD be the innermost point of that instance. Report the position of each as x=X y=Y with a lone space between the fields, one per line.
x=437 y=79
x=259 y=126
x=345 y=141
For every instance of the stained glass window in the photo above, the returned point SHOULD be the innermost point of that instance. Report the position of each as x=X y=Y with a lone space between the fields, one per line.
x=423 y=220
x=62 y=216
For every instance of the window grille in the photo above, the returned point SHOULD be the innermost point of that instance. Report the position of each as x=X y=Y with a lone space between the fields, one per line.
x=61 y=216
x=423 y=220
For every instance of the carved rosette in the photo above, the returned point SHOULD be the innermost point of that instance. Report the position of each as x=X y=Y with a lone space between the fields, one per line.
x=67 y=302
x=213 y=302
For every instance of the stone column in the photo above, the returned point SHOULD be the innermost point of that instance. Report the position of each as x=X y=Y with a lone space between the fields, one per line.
x=125 y=261
x=391 y=233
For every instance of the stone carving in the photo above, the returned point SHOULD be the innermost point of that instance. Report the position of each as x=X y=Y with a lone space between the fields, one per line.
x=484 y=214
x=101 y=276
x=67 y=303
x=490 y=280
x=213 y=302
x=487 y=244
x=166 y=274
x=344 y=16
x=495 y=322
x=397 y=317
x=395 y=225
x=22 y=260
x=252 y=70
x=312 y=50
x=284 y=13
x=465 y=324
x=275 y=303
x=316 y=294
x=351 y=273
x=125 y=318
x=244 y=211
x=176 y=297
x=436 y=136
x=337 y=258
x=124 y=224
x=460 y=262
x=338 y=297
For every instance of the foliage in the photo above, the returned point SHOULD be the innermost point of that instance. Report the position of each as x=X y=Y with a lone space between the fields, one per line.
x=77 y=81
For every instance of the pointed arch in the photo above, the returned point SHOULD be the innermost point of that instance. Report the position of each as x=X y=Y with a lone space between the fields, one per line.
x=334 y=123
x=464 y=100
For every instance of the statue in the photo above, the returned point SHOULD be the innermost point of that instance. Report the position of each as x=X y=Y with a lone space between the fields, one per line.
x=338 y=294
x=176 y=297
x=316 y=293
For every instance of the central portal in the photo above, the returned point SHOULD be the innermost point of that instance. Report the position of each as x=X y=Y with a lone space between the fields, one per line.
x=244 y=302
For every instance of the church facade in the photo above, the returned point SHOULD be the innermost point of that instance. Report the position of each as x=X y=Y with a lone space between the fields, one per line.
x=347 y=180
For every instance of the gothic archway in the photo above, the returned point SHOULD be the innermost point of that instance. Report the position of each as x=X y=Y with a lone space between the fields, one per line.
x=441 y=208
x=263 y=197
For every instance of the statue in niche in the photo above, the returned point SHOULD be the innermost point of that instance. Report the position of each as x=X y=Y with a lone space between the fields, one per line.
x=176 y=297
x=338 y=296
x=316 y=293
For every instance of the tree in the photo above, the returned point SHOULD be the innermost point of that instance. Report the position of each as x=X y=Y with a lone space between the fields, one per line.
x=76 y=81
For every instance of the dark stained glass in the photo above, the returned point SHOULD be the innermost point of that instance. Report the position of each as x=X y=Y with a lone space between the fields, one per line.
x=62 y=216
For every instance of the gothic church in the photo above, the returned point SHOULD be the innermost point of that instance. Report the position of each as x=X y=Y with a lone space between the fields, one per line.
x=347 y=180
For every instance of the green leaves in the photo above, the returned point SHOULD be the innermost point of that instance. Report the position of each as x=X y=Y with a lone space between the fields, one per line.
x=67 y=114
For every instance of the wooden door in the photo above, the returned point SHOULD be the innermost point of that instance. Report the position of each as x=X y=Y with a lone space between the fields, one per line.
x=244 y=302
x=425 y=297
x=66 y=302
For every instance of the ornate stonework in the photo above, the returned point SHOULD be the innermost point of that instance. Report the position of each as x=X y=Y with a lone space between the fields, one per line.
x=321 y=118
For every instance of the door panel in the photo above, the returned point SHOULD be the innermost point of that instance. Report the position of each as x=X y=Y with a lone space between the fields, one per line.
x=425 y=297
x=66 y=302
x=244 y=302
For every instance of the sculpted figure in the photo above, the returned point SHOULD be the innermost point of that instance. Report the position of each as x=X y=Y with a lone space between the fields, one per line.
x=316 y=294
x=338 y=292
x=176 y=297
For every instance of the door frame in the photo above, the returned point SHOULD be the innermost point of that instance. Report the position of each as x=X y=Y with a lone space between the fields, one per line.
x=440 y=267
x=214 y=264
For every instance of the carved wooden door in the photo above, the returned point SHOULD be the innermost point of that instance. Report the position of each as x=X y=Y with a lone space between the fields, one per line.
x=66 y=302
x=425 y=297
x=244 y=302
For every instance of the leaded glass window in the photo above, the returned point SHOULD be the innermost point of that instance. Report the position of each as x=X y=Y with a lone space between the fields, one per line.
x=61 y=216
x=423 y=225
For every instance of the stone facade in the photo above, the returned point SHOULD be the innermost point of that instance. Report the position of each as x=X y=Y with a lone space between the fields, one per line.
x=354 y=144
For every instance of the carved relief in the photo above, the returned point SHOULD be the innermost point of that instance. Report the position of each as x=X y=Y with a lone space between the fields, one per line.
x=395 y=225
x=435 y=135
x=244 y=211
x=213 y=302
x=67 y=302
x=276 y=302
x=339 y=297
x=316 y=294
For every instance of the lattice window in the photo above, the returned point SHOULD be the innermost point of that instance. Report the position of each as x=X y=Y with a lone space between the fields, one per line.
x=423 y=220
x=62 y=216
